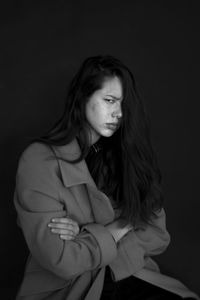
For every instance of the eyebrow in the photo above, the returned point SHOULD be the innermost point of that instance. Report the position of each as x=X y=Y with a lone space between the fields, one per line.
x=114 y=97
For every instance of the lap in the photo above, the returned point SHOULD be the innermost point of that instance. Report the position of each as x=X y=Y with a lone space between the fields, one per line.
x=133 y=288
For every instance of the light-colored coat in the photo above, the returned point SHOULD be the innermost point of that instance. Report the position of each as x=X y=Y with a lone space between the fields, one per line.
x=74 y=270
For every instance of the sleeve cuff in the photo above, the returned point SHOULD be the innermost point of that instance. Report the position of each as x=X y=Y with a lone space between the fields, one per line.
x=105 y=241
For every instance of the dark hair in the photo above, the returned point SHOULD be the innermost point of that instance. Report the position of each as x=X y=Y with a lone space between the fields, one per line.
x=127 y=161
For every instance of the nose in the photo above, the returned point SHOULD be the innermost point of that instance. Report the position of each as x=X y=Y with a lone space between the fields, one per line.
x=117 y=113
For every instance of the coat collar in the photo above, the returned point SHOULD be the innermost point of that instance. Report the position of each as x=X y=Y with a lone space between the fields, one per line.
x=73 y=174
x=76 y=174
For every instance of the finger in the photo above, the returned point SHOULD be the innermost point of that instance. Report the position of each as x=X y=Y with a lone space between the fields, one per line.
x=62 y=231
x=62 y=226
x=65 y=221
x=74 y=226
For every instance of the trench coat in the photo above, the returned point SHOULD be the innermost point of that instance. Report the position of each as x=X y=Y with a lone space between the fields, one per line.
x=56 y=269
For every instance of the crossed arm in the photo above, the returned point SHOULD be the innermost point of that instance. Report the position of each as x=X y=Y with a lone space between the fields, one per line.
x=68 y=229
x=70 y=250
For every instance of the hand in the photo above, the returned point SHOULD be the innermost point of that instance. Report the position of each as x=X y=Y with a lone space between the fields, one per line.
x=65 y=227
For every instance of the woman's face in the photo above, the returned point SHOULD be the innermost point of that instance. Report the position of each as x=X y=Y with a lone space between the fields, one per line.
x=103 y=109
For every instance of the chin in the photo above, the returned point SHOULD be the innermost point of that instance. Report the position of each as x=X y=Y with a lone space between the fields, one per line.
x=107 y=133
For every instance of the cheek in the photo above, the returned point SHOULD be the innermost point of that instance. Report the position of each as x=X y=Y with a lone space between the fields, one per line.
x=94 y=107
x=97 y=111
x=92 y=113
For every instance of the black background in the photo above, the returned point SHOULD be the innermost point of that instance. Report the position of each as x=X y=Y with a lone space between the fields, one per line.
x=42 y=46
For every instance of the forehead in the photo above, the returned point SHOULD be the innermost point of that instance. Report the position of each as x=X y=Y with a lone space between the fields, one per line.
x=112 y=86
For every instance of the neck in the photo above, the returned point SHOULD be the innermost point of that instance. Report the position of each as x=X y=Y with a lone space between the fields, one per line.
x=93 y=137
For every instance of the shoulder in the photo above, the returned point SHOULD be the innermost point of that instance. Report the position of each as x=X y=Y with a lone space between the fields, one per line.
x=37 y=156
x=36 y=150
x=40 y=155
x=38 y=169
x=42 y=150
x=42 y=158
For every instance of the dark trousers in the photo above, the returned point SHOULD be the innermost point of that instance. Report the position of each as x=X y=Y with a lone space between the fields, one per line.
x=133 y=288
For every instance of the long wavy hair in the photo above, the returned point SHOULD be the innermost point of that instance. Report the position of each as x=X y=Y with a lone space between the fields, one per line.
x=127 y=163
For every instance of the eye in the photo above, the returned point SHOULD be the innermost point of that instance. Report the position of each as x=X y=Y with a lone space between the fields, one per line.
x=109 y=100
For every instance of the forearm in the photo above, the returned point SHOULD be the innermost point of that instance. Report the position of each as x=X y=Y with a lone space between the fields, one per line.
x=138 y=245
x=92 y=248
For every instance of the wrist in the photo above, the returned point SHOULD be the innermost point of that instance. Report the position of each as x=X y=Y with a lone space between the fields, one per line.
x=117 y=230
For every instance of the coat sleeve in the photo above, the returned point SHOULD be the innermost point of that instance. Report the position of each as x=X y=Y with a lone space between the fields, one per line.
x=37 y=201
x=139 y=244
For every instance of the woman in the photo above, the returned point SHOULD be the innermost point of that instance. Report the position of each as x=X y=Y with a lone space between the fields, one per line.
x=88 y=197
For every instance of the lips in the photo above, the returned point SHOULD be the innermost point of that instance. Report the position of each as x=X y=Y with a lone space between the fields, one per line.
x=112 y=126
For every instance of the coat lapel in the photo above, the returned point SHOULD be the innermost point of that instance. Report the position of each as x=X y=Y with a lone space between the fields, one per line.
x=76 y=174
